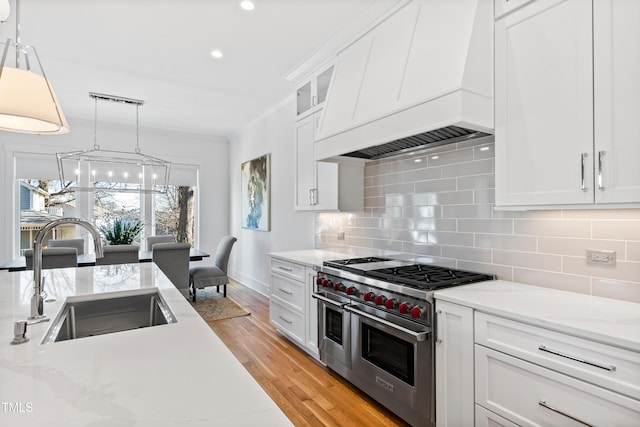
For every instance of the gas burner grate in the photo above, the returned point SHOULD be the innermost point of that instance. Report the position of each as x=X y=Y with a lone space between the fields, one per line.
x=425 y=276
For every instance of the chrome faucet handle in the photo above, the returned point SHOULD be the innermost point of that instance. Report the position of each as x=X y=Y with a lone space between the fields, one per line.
x=19 y=332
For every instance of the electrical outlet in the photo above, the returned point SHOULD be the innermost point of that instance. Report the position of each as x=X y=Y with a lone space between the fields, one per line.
x=601 y=257
x=340 y=235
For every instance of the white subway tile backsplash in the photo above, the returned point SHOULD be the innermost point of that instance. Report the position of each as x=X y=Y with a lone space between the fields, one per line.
x=441 y=211
x=559 y=228
x=476 y=182
x=506 y=241
x=529 y=260
x=578 y=247
x=500 y=226
x=633 y=251
x=623 y=270
x=616 y=229
x=466 y=253
x=547 y=279
x=478 y=167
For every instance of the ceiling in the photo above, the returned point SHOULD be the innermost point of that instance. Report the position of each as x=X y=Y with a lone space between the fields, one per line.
x=159 y=51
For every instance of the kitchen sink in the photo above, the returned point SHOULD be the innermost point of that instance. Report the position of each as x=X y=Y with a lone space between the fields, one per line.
x=98 y=314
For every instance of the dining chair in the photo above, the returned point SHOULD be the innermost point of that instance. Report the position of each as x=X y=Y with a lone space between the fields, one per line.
x=216 y=275
x=67 y=243
x=54 y=258
x=119 y=254
x=152 y=240
x=173 y=260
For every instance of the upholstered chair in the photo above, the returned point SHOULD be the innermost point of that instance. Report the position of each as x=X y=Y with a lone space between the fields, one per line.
x=119 y=254
x=54 y=258
x=152 y=240
x=67 y=243
x=173 y=260
x=201 y=277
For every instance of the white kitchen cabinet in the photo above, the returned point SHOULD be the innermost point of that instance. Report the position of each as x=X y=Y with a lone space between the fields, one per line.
x=311 y=93
x=528 y=394
x=324 y=186
x=566 y=95
x=291 y=309
x=454 y=365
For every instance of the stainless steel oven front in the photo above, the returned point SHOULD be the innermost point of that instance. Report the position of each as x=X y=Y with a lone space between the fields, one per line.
x=334 y=332
x=392 y=361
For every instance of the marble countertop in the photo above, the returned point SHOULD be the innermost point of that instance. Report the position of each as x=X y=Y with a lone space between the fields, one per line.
x=600 y=319
x=176 y=374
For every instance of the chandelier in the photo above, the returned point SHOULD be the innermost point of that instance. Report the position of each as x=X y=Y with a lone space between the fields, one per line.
x=114 y=171
x=27 y=101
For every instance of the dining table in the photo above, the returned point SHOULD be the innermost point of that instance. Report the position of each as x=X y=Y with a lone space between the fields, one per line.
x=85 y=260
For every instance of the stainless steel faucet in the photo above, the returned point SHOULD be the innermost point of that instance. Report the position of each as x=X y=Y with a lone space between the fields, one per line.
x=38 y=282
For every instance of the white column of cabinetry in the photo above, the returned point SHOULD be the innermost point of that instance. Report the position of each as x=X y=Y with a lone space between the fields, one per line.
x=291 y=309
x=567 y=96
x=454 y=365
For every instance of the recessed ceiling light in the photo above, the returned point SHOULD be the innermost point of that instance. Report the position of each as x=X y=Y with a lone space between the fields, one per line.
x=217 y=53
x=247 y=5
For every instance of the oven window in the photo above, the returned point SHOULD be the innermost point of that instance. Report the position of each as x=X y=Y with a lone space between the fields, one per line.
x=333 y=325
x=389 y=353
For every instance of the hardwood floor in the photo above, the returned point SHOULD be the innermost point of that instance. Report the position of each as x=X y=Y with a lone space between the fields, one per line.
x=307 y=392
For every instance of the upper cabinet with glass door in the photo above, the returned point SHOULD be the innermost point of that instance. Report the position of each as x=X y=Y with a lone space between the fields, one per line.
x=311 y=94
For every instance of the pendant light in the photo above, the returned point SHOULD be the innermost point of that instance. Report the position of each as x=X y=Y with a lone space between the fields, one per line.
x=27 y=101
x=113 y=171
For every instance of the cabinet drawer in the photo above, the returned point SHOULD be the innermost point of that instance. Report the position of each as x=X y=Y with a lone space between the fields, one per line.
x=287 y=321
x=486 y=418
x=607 y=366
x=288 y=291
x=530 y=395
x=289 y=269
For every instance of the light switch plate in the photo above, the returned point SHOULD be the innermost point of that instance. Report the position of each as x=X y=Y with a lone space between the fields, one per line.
x=601 y=257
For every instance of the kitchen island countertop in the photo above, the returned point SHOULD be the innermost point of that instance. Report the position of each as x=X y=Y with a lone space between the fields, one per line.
x=175 y=374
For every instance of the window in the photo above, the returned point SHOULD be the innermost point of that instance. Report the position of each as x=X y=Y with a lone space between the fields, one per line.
x=42 y=198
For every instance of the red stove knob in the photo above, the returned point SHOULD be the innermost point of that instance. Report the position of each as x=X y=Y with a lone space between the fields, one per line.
x=324 y=282
x=338 y=287
x=319 y=281
x=369 y=296
x=417 y=312
x=404 y=307
x=380 y=300
x=391 y=303
x=351 y=290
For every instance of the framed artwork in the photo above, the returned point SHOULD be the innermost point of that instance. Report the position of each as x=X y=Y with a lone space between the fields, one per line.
x=256 y=190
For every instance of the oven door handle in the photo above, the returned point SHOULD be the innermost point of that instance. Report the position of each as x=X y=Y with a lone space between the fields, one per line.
x=418 y=336
x=329 y=301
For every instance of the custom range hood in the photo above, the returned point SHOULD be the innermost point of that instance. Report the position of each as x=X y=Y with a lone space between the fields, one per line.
x=421 y=76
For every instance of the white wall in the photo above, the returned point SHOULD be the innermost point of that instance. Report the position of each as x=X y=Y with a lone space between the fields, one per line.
x=209 y=153
x=272 y=133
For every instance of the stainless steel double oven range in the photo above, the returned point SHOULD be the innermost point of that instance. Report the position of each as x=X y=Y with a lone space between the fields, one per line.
x=376 y=322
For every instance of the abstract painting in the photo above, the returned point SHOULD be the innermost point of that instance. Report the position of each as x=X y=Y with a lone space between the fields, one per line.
x=256 y=189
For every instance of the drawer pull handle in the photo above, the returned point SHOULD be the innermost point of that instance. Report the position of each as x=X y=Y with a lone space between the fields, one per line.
x=610 y=368
x=285 y=319
x=285 y=269
x=544 y=404
x=284 y=291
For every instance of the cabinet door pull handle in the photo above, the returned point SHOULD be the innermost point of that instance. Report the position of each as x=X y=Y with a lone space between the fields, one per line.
x=436 y=325
x=610 y=368
x=284 y=291
x=286 y=269
x=311 y=197
x=583 y=183
x=285 y=319
x=600 y=183
x=544 y=404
